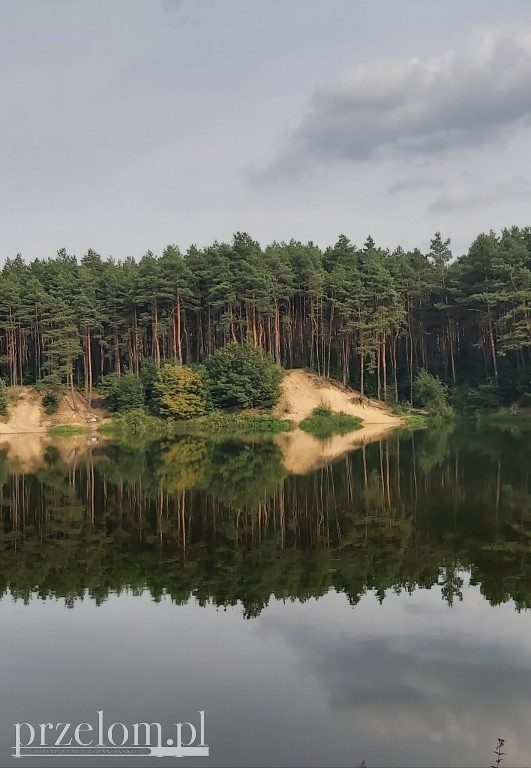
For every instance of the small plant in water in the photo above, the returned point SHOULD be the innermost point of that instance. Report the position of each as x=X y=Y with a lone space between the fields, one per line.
x=499 y=754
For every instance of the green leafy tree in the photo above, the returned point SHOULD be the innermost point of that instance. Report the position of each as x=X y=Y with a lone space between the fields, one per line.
x=431 y=393
x=179 y=392
x=148 y=376
x=122 y=393
x=242 y=376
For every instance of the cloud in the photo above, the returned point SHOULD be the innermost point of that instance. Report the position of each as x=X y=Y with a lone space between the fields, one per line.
x=418 y=107
x=513 y=189
x=411 y=675
x=413 y=185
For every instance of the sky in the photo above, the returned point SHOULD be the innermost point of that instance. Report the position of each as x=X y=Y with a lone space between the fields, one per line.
x=128 y=125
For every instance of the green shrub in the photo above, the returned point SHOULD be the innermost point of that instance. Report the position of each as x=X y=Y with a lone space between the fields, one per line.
x=123 y=392
x=3 y=398
x=148 y=376
x=416 y=421
x=179 y=392
x=324 y=423
x=432 y=394
x=485 y=397
x=242 y=376
x=137 y=422
x=51 y=400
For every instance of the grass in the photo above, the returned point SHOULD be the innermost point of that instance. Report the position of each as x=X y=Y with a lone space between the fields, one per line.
x=216 y=423
x=109 y=428
x=416 y=421
x=66 y=430
x=324 y=423
x=234 y=424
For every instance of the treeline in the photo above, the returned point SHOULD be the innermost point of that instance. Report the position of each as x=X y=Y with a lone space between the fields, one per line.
x=368 y=316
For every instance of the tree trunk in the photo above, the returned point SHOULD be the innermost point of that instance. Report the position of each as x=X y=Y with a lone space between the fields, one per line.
x=179 y=339
x=89 y=368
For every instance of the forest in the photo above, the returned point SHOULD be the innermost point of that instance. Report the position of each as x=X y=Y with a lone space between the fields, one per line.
x=368 y=316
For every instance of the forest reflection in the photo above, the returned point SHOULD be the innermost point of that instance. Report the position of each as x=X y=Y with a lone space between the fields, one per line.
x=222 y=522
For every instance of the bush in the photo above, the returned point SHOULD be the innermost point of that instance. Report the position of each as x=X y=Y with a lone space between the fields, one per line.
x=123 y=392
x=432 y=394
x=148 y=376
x=323 y=423
x=51 y=400
x=3 y=398
x=137 y=422
x=485 y=397
x=242 y=376
x=179 y=392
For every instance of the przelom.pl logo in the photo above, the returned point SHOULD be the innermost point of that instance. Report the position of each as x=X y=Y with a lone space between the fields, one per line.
x=115 y=739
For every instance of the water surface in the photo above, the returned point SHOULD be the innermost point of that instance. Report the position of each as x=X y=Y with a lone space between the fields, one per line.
x=376 y=609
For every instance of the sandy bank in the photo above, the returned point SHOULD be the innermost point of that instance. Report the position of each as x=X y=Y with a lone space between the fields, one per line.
x=303 y=391
x=26 y=413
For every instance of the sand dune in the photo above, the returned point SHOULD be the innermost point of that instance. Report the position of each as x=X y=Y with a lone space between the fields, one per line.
x=26 y=412
x=301 y=393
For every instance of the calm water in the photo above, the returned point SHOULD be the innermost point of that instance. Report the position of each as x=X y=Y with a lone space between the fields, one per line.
x=376 y=609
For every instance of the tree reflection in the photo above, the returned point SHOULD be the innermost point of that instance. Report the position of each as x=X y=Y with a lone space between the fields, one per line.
x=222 y=522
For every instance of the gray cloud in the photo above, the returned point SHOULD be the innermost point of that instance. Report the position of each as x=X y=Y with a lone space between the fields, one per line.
x=425 y=682
x=419 y=107
x=513 y=189
x=413 y=185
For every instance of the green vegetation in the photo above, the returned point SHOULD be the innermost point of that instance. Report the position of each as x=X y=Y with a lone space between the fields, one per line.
x=470 y=400
x=109 y=428
x=136 y=422
x=366 y=315
x=416 y=420
x=242 y=376
x=122 y=392
x=3 y=398
x=66 y=430
x=323 y=423
x=179 y=392
x=150 y=428
x=521 y=420
x=246 y=423
x=430 y=393
x=235 y=377
x=50 y=400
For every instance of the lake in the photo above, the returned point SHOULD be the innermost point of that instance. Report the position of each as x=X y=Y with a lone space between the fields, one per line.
x=375 y=609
